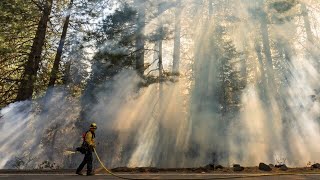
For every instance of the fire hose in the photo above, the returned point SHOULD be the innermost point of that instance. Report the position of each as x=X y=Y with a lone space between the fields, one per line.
x=232 y=177
x=104 y=167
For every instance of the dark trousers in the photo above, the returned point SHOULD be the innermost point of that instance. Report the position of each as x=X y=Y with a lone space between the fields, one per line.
x=87 y=160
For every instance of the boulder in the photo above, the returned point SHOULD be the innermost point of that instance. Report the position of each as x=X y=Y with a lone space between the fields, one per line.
x=209 y=167
x=278 y=165
x=237 y=167
x=264 y=167
x=316 y=166
x=283 y=167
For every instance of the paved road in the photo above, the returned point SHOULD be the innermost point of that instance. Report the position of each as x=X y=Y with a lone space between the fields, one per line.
x=156 y=176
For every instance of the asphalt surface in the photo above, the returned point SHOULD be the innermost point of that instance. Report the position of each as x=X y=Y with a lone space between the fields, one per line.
x=22 y=176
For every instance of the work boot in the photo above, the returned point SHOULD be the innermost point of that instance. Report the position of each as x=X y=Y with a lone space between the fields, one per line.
x=79 y=173
x=90 y=174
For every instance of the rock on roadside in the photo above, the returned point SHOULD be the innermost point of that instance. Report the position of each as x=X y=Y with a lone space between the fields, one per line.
x=316 y=166
x=264 y=167
x=283 y=167
x=237 y=167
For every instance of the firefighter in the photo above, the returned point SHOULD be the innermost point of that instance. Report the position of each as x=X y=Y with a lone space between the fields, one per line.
x=88 y=144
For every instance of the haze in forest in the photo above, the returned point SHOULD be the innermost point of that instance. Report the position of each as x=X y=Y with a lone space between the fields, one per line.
x=170 y=83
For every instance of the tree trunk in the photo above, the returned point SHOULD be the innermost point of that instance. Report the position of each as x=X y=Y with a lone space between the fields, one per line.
x=57 y=60
x=312 y=48
x=66 y=74
x=263 y=82
x=160 y=62
x=140 y=40
x=266 y=46
x=31 y=67
x=307 y=25
x=177 y=34
x=210 y=7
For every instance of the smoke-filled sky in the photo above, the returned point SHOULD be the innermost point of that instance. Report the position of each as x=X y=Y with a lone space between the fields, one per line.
x=248 y=93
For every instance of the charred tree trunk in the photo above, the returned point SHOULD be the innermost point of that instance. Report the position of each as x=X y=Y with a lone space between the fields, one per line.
x=177 y=43
x=57 y=60
x=140 y=40
x=31 y=67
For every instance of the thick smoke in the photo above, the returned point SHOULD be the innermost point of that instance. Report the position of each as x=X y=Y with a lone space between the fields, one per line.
x=272 y=115
x=36 y=134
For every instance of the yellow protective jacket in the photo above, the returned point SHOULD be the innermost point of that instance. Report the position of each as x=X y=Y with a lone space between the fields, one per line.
x=89 y=139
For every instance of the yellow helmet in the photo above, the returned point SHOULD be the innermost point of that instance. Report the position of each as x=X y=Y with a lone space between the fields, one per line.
x=93 y=126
